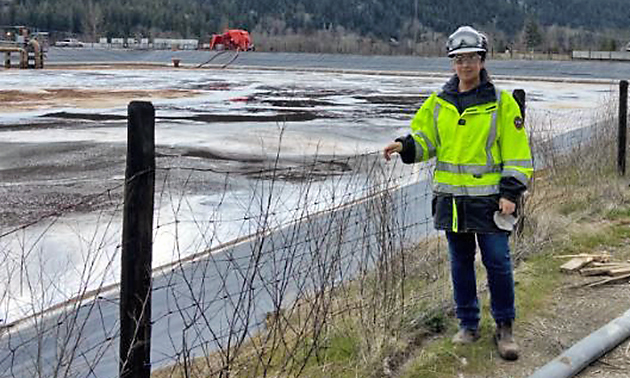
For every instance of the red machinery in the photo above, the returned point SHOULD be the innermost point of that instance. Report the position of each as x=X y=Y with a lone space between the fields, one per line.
x=232 y=39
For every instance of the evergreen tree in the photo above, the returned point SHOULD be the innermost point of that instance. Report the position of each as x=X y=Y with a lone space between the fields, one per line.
x=533 y=36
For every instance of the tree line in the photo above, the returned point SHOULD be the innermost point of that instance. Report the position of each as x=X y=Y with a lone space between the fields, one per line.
x=401 y=26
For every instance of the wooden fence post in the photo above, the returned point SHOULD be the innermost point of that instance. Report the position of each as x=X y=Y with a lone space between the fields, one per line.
x=137 y=243
x=623 y=126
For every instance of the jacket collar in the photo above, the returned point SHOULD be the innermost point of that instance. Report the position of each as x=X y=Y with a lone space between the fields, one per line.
x=482 y=94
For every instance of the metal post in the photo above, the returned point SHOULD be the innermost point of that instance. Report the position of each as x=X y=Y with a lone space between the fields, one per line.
x=623 y=126
x=135 y=282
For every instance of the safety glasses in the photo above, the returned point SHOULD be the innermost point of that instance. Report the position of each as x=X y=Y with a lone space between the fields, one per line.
x=464 y=59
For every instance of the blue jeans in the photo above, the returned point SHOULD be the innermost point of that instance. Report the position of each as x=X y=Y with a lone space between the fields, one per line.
x=495 y=254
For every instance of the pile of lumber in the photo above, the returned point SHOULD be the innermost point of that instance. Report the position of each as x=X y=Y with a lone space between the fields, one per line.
x=596 y=265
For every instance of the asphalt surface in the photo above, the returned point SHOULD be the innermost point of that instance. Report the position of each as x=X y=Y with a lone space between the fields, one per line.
x=573 y=70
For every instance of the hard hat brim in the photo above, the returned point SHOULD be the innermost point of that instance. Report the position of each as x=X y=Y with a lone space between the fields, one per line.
x=465 y=50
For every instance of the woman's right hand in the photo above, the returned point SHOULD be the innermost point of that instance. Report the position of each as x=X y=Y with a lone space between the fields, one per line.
x=391 y=148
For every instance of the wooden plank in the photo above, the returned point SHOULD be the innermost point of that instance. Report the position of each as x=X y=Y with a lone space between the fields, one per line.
x=604 y=257
x=610 y=269
x=597 y=271
x=583 y=284
x=596 y=264
x=609 y=280
x=575 y=264
x=619 y=271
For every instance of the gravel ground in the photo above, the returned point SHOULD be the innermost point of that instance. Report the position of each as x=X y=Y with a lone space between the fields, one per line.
x=53 y=176
x=575 y=314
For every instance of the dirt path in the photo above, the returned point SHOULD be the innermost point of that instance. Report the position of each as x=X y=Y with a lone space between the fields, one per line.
x=571 y=315
x=574 y=314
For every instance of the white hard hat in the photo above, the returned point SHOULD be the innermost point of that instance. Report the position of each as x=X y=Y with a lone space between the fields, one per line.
x=466 y=40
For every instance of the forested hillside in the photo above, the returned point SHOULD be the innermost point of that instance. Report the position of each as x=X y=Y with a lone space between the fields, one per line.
x=588 y=22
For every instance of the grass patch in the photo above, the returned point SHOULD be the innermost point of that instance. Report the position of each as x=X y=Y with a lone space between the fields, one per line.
x=618 y=214
x=341 y=348
x=571 y=207
x=536 y=279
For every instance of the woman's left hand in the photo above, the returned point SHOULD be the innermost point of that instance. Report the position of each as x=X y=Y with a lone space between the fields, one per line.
x=506 y=206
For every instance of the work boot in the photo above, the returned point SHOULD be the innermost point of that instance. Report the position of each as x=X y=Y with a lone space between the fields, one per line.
x=508 y=350
x=466 y=336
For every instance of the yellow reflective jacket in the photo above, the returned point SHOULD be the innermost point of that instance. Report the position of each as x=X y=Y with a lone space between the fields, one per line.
x=482 y=154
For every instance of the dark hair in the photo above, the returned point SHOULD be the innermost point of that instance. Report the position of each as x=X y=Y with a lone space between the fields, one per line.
x=484 y=73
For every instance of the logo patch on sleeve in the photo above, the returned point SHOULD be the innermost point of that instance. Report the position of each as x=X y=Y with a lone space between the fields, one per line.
x=519 y=123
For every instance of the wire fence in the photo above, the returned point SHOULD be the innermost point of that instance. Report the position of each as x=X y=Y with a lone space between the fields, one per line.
x=257 y=269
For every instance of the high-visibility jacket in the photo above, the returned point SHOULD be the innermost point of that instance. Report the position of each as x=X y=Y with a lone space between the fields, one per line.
x=482 y=154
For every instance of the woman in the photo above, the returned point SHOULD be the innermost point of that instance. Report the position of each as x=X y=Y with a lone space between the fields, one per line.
x=483 y=166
